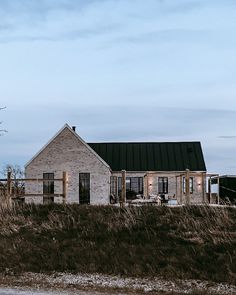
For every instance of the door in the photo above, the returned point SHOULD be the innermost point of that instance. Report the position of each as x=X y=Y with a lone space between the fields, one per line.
x=48 y=188
x=84 y=188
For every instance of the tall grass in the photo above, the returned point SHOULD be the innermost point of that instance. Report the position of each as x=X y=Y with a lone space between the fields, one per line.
x=185 y=242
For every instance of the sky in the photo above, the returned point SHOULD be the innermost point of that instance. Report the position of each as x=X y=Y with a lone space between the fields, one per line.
x=119 y=70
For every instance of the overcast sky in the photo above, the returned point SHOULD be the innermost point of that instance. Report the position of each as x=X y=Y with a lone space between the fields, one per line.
x=120 y=70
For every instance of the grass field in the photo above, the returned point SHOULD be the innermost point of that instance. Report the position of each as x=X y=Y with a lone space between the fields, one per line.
x=185 y=242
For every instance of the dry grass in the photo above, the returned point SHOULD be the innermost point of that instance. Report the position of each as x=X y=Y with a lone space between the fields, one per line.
x=186 y=242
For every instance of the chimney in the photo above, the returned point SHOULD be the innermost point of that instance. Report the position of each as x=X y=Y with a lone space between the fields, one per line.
x=74 y=128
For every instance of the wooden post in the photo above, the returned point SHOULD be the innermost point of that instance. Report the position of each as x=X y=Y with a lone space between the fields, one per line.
x=218 y=189
x=181 y=188
x=64 y=186
x=145 y=186
x=123 y=189
x=203 y=188
x=187 y=187
x=209 y=189
x=148 y=188
x=9 y=188
x=176 y=187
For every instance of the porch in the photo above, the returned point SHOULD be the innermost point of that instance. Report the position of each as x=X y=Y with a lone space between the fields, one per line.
x=157 y=188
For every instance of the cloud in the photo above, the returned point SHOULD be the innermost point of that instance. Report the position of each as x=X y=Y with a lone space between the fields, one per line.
x=227 y=136
x=181 y=6
x=5 y=28
x=99 y=123
x=27 y=12
x=60 y=20
x=133 y=122
x=66 y=36
x=67 y=77
x=166 y=35
x=42 y=7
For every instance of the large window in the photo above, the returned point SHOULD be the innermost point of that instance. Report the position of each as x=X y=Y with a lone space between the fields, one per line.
x=48 y=187
x=163 y=185
x=113 y=187
x=190 y=185
x=84 y=188
x=134 y=186
x=113 y=190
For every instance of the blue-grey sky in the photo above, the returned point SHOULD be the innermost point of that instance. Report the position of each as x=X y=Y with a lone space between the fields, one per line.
x=120 y=70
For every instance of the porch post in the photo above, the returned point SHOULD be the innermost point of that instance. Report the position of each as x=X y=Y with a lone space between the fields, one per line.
x=187 y=187
x=148 y=190
x=181 y=189
x=176 y=188
x=145 y=186
x=203 y=188
x=123 y=189
x=218 y=190
x=209 y=189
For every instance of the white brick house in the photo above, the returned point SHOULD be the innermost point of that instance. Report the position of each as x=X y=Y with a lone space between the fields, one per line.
x=94 y=170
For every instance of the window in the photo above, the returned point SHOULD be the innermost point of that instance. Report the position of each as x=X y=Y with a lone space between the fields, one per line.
x=84 y=188
x=134 y=186
x=190 y=185
x=163 y=185
x=48 y=188
x=113 y=187
x=48 y=183
x=113 y=190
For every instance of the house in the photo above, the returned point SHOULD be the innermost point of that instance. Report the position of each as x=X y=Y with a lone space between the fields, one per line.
x=171 y=170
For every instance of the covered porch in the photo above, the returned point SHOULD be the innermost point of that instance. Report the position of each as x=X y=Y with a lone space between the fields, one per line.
x=172 y=188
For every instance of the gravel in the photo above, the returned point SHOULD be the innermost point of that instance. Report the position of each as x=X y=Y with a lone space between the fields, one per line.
x=108 y=282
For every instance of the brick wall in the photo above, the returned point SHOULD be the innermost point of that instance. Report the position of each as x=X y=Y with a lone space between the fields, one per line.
x=68 y=153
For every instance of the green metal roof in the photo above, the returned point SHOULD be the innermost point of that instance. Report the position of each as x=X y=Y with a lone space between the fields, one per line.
x=151 y=156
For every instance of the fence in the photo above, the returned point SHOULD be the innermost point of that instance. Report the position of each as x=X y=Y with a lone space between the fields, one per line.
x=11 y=192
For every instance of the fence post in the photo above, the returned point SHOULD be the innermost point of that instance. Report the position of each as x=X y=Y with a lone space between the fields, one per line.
x=9 y=188
x=64 y=186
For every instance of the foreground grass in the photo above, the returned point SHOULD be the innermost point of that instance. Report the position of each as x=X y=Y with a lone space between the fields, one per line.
x=185 y=242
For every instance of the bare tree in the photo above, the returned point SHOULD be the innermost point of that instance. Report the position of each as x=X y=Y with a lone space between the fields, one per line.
x=2 y=130
x=17 y=173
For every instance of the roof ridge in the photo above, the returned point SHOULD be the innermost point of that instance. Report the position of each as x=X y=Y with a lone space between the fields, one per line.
x=142 y=142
